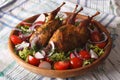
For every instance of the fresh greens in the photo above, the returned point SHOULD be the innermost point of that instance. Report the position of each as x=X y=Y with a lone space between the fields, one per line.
x=25 y=52
x=25 y=29
x=97 y=50
x=59 y=57
x=86 y=62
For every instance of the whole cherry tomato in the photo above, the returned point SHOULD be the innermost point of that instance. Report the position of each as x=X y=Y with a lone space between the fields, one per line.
x=32 y=60
x=15 y=39
x=95 y=36
x=76 y=62
x=84 y=55
x=61 y=65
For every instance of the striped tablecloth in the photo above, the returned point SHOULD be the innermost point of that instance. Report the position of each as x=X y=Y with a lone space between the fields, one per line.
x=14 y=11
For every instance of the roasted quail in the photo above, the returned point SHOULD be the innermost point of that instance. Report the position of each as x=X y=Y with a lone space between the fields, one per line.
x=69 y=37
x=43 y=33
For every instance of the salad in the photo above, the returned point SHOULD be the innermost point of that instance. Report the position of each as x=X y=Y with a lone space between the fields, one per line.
x=78 y=57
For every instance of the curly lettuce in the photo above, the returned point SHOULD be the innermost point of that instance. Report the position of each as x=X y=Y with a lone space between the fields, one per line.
x=25 y=52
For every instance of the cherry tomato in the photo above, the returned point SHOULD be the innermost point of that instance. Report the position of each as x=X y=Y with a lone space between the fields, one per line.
x=15 y=39
x=48 y=60
x=95 y=36
x=61 y=65
x=101 y=45
x=84 y=55
x=76 y=62
x=32 y=60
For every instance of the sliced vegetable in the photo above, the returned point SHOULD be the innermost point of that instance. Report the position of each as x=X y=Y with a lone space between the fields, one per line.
x=76 y=62
x=72 y=55
x=40 y=20
x=61 y=65
x=22 y=45
x=32 y=60
x=101 y=45
x=25 y=52
x=45 y=64
x=84 y=54
x=15 y=39
x=39 y=55
x=93 y=54
x=97 y=50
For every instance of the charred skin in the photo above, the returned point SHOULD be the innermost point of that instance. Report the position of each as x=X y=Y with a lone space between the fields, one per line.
x=45 y=32
x=69 y=37
x=65 y=39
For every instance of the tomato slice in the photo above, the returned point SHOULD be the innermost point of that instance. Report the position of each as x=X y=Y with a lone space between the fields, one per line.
x=15 y=39
x=61 y=65
x=76 y=62
x=84 y=55
x=101 y=45
x=32 y=60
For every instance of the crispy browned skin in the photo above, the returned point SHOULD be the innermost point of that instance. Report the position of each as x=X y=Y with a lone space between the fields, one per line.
x=66 y=38
x=69 y=37
x=45 y=31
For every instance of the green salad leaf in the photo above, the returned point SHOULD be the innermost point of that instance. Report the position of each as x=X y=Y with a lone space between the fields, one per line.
x=59 y=57
x=87 y=62
x=25 y=29
x=97 y=50
x=25 y=52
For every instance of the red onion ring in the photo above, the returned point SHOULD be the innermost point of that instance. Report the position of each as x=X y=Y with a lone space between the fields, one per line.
x=105 y=39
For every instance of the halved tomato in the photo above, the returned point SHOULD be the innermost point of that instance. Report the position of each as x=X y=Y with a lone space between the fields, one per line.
x=15 y=39
x=61 y=65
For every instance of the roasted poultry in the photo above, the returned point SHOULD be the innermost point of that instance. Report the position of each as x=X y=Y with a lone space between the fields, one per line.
x=43 y=33
x=69 y=37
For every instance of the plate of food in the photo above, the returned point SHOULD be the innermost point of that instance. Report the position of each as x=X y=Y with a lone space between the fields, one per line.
x=60 y=44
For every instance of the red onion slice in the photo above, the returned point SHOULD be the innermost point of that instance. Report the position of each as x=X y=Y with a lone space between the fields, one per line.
x=34 y=41
x=32 y=28
x=93 y=54
x=22 y=45
x=41 y=18
x=52 y=47
x=24 y=36
x=39 y=55
x=105 y=38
